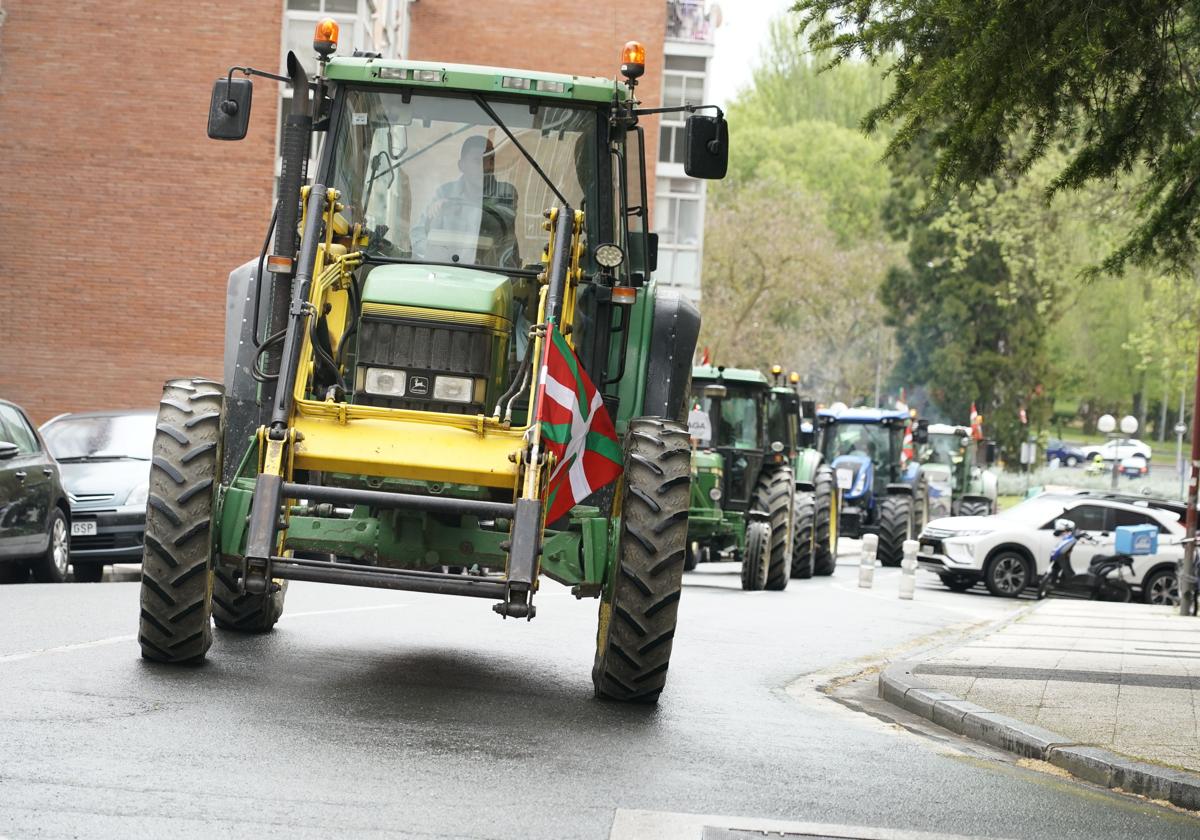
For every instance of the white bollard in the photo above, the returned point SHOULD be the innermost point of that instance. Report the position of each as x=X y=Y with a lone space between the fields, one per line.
x=866 y=564
x=908 y=569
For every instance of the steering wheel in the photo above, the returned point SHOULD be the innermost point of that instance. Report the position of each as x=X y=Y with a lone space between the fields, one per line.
x=503 y=227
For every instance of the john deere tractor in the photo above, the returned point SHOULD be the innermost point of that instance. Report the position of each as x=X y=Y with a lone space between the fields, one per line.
x=814 y=528
x=451 y=374
x=742 y=484
x=886 y=496
x=959 y=485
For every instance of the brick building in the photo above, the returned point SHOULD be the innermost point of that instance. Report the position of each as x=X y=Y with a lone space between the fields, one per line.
x=122 y=219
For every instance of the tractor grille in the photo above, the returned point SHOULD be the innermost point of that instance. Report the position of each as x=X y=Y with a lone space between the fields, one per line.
x=423 y=349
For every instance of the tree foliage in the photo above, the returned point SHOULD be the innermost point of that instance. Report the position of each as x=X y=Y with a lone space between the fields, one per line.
x=992 y=87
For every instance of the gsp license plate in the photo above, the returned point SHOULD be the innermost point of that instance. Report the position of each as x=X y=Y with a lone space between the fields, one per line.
x=83 y=529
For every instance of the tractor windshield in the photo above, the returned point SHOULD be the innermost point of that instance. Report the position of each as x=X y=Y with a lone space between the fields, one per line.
x=738 y=425
x=433 y=177
x=942 y=449
x=870 y=439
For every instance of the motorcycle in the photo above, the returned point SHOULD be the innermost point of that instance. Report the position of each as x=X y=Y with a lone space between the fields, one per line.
x=1095 y=584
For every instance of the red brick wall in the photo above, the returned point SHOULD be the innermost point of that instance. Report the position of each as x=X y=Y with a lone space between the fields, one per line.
x=120 y=218
x=582 y=37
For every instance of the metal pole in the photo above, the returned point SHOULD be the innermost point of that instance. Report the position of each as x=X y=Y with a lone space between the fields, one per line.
x=1116 y=459
x=1187 y=575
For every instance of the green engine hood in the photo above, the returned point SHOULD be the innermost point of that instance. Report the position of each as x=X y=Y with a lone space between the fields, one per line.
x=440 y=287
x=702 y=460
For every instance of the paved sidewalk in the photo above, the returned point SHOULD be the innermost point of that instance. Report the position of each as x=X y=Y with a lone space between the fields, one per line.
x=1123 y=677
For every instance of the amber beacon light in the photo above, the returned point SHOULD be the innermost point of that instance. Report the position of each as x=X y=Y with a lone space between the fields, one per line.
x=633 y=59
x=325 y=37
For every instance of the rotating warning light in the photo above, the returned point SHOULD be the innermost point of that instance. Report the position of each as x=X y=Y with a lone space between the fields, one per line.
x=633 y=60
x=325 y=37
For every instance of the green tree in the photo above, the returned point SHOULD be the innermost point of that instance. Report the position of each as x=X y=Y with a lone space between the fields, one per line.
x=992 y=87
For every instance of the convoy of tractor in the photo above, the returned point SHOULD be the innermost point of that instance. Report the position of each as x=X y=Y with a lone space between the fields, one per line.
x=454 y=373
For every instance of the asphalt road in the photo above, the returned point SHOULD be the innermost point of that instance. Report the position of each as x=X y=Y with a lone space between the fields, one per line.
x=370 y=713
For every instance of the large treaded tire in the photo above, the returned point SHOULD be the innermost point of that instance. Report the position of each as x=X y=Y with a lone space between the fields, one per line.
x=756 y=556
x=824 y=550
x=974 y=507
x=803 y=520
x=176 y=592
x=638 y=611
x=245 y=613
x=775 y=493
x=895 y=518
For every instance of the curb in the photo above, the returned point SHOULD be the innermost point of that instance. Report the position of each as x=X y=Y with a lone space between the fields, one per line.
x=900 y=687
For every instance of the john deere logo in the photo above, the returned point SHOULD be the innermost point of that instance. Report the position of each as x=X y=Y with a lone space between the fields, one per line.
x=419 y=386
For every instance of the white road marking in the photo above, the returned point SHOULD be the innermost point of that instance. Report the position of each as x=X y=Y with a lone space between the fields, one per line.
x=116 y=640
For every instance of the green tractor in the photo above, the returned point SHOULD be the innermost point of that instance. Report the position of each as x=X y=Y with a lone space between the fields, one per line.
x=742 y=485
x=452 y=374
x=959 y=484
x=814 y=531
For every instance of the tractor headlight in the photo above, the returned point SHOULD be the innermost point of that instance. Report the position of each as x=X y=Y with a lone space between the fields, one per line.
x=715 y=494
x=453 y=388
x=385 y=382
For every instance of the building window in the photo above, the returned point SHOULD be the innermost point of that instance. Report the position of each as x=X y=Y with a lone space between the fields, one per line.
x=679 y=221
x=683 y=83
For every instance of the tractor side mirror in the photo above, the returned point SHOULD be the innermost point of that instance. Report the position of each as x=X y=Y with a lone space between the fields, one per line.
x=921 y=432
x=706 y=147
x=229 y=109
x=652 y=256
x=7 y=450
x=990 y=452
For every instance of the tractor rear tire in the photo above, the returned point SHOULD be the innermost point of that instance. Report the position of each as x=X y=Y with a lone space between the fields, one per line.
x=757 y=555
x=176 y=592
x=802 y=536
x=245 y=613
x=824 y=535
x=895 y=526
x=639 y=609
x=974 y=507
x=775 y=494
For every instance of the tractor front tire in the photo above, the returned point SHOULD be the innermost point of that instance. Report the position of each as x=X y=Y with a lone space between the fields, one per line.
x=775 y=494
x=895 y=526
x=803 y=517
x=176 y=592
x=757 y=555
x=638 y=610
x=824 y=529
x=974 y=507
x=245 y=613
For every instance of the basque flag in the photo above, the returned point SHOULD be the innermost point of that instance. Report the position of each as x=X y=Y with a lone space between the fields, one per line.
x=575 y=427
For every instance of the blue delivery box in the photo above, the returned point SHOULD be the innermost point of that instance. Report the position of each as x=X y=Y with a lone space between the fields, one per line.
x=1137 y=539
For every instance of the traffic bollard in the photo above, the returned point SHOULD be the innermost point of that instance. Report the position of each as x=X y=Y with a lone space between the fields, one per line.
x=866 y=565
x=908 y=569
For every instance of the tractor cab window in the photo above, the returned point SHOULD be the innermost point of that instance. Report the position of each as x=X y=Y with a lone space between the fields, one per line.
x=782 y=422
x=869 y=439
x=942 y=449
x=738 y=425
x=434 y=178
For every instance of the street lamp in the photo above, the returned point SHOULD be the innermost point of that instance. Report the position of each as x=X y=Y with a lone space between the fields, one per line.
x=1108 y=424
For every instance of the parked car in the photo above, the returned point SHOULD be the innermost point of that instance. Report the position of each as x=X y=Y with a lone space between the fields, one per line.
x=1135 y=466
x=1010 y=551
x=1115 y=449
x=1068 y=454
x=105 y=462
x=35 y=516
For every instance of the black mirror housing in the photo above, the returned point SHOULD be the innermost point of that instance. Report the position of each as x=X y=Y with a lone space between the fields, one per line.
x=229 y=109
x=652 y=256
x=7 y=450
x=921 y=432
x=706 y=149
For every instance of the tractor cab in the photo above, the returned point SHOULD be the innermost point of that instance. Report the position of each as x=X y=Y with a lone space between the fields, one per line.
x=736 y=404
x=869 y=443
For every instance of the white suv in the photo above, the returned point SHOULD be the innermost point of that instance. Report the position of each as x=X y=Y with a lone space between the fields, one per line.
x=1010 y=551
x=1117 y=449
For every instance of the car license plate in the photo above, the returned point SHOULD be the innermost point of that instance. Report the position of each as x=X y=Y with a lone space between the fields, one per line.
x=83 y=529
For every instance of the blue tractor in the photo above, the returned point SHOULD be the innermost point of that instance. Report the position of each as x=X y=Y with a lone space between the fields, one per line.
x=882 y=493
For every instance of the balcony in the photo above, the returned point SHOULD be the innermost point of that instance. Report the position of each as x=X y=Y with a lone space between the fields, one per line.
x=687 y=21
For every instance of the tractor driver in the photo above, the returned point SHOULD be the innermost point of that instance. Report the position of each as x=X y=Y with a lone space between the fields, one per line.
x=476 y=210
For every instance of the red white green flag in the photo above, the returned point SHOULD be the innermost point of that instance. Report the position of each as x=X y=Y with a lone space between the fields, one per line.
x=575 y=427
